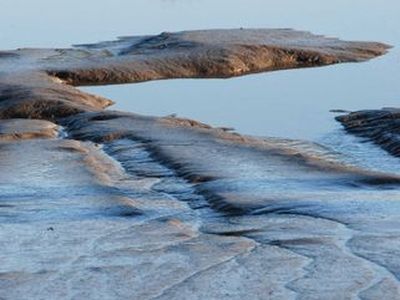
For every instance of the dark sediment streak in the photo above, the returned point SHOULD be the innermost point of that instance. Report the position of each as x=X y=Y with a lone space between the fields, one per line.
x=184 y=146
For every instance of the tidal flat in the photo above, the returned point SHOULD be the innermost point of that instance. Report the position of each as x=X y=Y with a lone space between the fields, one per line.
x=96 y=202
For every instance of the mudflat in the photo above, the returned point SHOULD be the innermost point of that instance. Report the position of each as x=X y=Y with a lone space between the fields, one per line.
x=104 y=204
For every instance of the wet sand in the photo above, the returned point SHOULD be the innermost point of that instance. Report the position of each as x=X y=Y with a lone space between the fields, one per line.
x=102 y=204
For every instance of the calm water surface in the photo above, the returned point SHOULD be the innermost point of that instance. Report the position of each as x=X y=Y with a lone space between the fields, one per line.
x=292 y=104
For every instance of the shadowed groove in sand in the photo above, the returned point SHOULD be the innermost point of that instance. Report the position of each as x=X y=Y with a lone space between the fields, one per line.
x=235 y=174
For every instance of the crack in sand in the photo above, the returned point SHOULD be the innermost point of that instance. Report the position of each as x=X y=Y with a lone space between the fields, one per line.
x=198 y=273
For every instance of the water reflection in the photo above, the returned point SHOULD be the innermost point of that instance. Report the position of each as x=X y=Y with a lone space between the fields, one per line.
x=293 y=104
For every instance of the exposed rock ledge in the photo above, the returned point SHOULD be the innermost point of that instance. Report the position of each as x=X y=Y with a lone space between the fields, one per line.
x=380 y=126
x=129 y=206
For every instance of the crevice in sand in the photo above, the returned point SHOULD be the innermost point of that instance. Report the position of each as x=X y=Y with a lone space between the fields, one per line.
x=314 y=247
x=216 y=265
x=344 y=237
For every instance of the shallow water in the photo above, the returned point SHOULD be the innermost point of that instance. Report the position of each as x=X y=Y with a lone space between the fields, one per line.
x=292 y=104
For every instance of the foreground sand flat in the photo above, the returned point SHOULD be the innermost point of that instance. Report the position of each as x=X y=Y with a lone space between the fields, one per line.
x=113 y=205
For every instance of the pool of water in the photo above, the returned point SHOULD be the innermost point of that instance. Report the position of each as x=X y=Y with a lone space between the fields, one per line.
x=291 y=104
